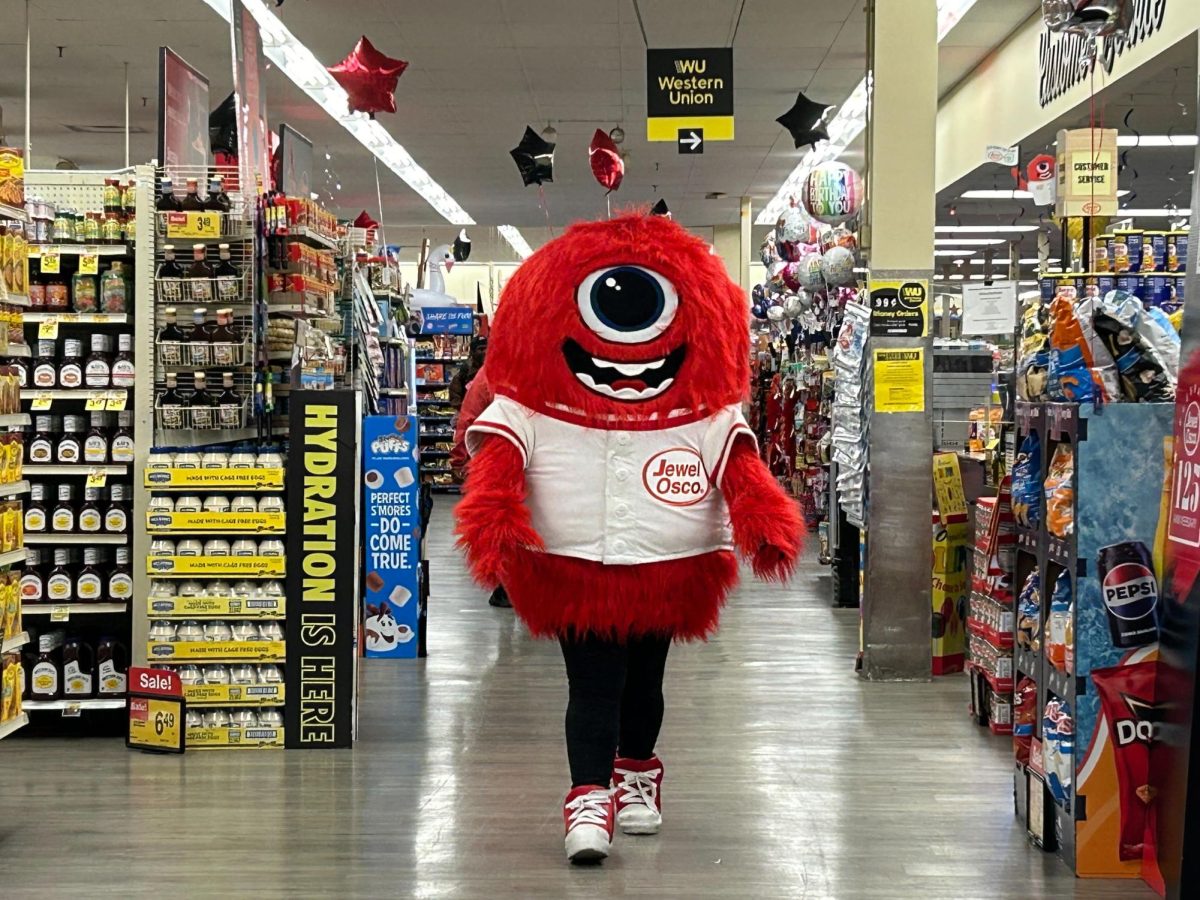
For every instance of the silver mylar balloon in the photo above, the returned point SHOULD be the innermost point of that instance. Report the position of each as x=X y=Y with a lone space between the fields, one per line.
x=792 y=225
x=775 y=313
x=1090 y=18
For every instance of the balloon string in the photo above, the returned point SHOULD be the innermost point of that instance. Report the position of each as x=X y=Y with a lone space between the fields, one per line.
x=545 y=208
x=608 y=202
x=379 y=198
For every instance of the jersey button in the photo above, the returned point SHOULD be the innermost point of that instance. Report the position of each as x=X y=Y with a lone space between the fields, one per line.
x=623 y=438
x=622 y=511
x=619 y=545
x=622 y=474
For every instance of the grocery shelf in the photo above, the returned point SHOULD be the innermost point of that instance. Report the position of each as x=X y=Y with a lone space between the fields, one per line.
x=393 y=392
x=261 y=737
x=16 y=300
x=52 y=537
x=37 y=250
x=80 y=703
x=8 y=420
x=69 y=318
x=15 y=351
x=310 y=235
x=74 y=469
x=59 y=612
x=70 y=393
x=15 y=642
x=13 y=212
x=1027 y=662
x=13 y=489
x=17 y=721
x=12 y=557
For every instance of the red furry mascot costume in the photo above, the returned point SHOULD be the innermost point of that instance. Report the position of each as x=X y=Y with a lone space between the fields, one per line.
x=612 y=477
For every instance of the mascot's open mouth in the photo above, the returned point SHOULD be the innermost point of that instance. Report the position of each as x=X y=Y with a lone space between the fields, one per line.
x=624 y=380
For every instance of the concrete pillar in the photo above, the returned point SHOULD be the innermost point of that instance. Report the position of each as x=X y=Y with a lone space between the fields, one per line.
x=897 y=611
x=727 y=240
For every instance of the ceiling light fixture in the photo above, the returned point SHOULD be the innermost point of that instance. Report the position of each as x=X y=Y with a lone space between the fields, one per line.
x=516 y=241
x=1157 y=140
x=983 y=229
x=961 y=251
x=300 y=65
x=1005 y=195
x=1126 y=212
x=966 y=242
x=848 y=124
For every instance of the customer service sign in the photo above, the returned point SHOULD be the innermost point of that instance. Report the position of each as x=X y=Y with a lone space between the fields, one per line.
x=322 y=568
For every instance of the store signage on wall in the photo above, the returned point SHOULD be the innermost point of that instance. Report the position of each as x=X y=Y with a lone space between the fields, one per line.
x=899 y=380
x=392 y=533
x=1065 y=60
x=322 y=568
x=900 y=308
x=689 y=88
x=1087 y=172
x=446 y=320
x=989 y=309
x=1005 y=156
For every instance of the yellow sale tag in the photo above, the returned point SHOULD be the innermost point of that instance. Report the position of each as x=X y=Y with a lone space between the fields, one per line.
x=116 y=401
x=89 y=262
x=60 y=613
x=156 y=723
x=96 y=478
x=95 y=400
x=193 y=224
x=41 y=401
x=48 y=330
x=50 y=262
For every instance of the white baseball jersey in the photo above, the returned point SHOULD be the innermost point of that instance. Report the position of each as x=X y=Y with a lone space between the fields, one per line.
x=621 y=497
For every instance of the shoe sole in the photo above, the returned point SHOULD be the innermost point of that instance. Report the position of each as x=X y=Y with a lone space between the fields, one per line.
x=587 y=844
x=588 y=857
x=635 y=826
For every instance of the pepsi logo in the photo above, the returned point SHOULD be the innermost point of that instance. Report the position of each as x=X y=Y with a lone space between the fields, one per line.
x=676 y=477
x=1130 y=591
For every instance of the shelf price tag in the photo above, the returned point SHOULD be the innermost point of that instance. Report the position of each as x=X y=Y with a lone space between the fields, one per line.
x=60 y=613
x=193 y=225
x=71 y=710
x=48 y=330
x=157 y=711
x=89 y=262
x=95 y=400
x=96 y=478
x=116 y=401
x=50 y=262
x=41 y=401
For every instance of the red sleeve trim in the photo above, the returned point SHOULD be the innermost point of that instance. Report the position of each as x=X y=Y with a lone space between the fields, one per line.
x=499 y=428
x=739 y=428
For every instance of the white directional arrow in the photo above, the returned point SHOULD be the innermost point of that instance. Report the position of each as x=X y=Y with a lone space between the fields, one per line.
x=692 y=141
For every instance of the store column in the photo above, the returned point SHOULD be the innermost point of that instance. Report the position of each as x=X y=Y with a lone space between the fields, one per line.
x=896 y=610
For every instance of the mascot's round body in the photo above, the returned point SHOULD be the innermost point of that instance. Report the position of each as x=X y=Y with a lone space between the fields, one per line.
x=614 y=475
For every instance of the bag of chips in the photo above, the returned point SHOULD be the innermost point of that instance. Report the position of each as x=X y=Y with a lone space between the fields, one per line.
x=1070 y=371
x=1029 y=613
x=1024 y=717
x=1145 y=375
x=1033 y=356
x=1060 y=494
x=1027 y=482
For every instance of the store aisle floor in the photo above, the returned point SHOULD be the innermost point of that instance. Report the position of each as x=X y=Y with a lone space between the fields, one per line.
x=786 y=777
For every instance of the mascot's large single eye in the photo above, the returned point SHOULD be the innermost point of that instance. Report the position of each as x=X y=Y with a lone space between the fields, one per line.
x=627 y=304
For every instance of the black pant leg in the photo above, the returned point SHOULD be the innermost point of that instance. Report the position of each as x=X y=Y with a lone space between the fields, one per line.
x=596 y=677
x=642 y=700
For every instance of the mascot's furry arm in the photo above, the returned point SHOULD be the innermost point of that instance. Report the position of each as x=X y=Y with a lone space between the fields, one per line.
x=493 y=521
x=767 y=529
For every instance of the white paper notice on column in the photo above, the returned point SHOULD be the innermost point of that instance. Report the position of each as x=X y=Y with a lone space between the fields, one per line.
x=989 y=309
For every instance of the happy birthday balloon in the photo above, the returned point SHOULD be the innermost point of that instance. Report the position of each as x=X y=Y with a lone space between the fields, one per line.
x=810 y=275
x=837 y=265
x=369 y=78
x=833 y=193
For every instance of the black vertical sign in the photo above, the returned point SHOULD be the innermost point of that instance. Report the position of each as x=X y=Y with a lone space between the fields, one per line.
x=322 y=507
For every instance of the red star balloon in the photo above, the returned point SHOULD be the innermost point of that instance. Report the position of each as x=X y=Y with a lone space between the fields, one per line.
x=369 y=78
x=607 y=165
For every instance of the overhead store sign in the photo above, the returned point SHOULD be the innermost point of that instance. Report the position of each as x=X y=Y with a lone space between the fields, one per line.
x=1065 y=60
x=1087 y=172
x=689 y=89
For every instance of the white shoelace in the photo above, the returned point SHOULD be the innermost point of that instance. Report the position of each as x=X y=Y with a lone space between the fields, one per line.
x=639 y=787
x=590 y=809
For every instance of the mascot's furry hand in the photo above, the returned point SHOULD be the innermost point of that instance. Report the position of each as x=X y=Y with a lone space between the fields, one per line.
x=767 y=528
x=493 y=521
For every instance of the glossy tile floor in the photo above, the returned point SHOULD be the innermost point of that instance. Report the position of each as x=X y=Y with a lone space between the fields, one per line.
x=787 y=777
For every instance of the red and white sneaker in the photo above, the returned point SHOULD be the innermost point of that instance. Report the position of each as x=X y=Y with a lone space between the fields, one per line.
x=638 y=794
x=588 y=816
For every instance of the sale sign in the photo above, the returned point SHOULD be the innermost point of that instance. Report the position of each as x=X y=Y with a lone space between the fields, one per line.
x=157 y=711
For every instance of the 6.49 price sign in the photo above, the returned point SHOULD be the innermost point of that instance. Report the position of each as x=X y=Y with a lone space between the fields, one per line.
x=156 y=711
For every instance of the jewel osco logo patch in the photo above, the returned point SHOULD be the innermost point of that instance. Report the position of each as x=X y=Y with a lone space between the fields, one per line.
x=676 y=476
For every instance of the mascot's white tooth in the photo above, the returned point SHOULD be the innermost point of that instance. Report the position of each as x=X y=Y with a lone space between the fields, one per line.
x=603 y=363
x=658 y=364
x=631 y=369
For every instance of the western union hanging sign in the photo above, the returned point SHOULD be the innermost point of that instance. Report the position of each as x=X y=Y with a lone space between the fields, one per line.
x=692 y=89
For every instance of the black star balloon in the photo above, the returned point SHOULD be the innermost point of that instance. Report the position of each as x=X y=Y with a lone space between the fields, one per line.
x=534 y=157
x=803 y=121
x=660 y=209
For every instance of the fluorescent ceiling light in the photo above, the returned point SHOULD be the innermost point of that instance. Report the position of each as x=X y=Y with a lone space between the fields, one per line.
x=955 y=252
x=302 y=67
x=1005 y=195
x=848 y=124
x=983 y=229
x=1157 y=140
x=1154 y=213
x=516 y=241
x=966 y=242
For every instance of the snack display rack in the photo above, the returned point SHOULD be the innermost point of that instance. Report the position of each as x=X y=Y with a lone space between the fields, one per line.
x=216 y=618
x=1078 y=794
x=990 y=618
x=437 y=358
x=98 y=619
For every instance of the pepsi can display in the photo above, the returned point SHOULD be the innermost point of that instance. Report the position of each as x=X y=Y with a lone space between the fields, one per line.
x=1130 y=590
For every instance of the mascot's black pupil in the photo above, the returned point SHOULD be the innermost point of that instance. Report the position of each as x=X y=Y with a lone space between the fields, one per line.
x=627 y=299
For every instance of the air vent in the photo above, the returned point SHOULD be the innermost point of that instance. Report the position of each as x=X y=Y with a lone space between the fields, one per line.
x=104 y=129
x=714 y=195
